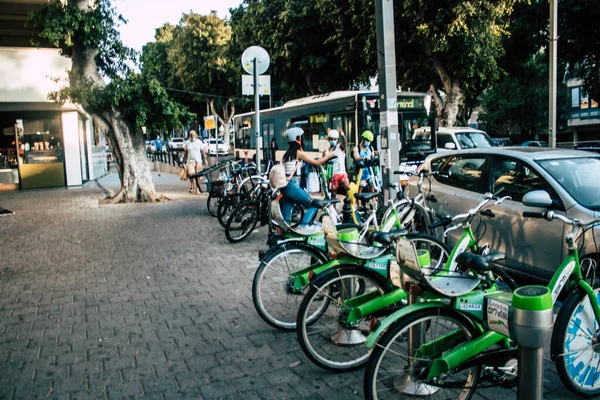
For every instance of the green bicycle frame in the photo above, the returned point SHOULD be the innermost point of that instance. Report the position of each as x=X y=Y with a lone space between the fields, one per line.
x=570 y=267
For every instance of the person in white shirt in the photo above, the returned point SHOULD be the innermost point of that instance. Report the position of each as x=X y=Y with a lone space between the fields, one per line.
x=194 y=156
x=337 y=147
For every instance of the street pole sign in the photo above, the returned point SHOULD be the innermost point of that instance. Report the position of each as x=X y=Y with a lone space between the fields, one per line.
x=256 y=61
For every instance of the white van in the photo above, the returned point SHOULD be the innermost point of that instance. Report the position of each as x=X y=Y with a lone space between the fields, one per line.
x=459 y=138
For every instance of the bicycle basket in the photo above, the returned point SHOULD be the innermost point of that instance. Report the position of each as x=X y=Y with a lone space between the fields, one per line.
x=216 y=187
x=415 y=265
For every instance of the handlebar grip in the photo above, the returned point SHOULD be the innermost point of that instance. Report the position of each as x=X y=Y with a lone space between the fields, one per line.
x=534 y=214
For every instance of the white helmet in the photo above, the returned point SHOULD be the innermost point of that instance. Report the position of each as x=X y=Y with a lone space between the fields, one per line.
x=333 y=134
x=293 y=133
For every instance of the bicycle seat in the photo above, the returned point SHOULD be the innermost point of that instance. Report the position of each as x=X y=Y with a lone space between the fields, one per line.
x=475 y=262
x=366 y=195
x=387 y=238
x=321 y=204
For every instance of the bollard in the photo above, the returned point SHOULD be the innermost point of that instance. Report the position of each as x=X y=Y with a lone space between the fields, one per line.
x=531 y=326
x=346 y=211
x=526 y=316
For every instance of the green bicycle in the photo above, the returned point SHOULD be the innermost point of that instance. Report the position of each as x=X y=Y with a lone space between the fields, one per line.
x=443 y=349
x=284 y=271
x=341 y=315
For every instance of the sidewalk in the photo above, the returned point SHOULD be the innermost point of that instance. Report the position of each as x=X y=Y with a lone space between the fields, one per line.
x=147 y=301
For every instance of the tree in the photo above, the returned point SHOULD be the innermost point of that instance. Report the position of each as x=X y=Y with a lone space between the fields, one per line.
x=443 y=46
x=87 y=33
x=303 y=44
x=579 y=40
x=192 y=60
x=518 y=102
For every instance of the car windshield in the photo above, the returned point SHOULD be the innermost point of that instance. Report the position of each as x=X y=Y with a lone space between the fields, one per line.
x=212 y=141
x=469 y=140
x=579 y=177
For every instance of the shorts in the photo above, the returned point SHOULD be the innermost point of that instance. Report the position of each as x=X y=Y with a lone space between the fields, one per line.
x=336 y=179
x=193 y=167
x=364 y=183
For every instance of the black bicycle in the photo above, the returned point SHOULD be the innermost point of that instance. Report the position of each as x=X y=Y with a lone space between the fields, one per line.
x=248 y=214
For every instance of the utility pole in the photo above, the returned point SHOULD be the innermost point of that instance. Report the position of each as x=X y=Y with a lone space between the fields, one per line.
x=552 y=101
x=388 y=96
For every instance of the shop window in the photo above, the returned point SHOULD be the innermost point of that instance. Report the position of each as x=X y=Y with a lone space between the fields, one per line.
x=40 y=141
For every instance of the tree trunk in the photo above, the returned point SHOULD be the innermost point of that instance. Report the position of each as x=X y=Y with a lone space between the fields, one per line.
x=454 y=95
x=128 y=149
x=227 y=113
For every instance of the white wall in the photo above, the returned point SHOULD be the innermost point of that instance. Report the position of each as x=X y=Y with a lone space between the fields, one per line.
x=70 y=127
x=26 y=73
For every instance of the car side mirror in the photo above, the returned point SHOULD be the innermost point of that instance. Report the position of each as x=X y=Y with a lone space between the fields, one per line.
x=537 y=198
x=450 y=146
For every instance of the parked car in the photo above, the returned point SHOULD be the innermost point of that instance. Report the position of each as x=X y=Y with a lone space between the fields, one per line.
x=502 y=142
x=212 y=147
x=534 y=247
x=534 y=143
x=176 y=143
x=458 y=138
x=588 y=146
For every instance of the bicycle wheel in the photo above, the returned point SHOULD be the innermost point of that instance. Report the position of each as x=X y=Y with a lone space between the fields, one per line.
x=241 y=222
x=273 y=296
x=325 y=337
x=227 y=205
x=394 y=370
x=248 y=185
x=213 y=201
x=575 y=348
x=439 y=253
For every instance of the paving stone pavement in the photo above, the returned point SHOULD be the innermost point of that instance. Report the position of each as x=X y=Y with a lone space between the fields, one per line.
x=145 y=301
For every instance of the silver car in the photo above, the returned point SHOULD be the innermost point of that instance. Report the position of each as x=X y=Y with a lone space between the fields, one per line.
x=534 y=247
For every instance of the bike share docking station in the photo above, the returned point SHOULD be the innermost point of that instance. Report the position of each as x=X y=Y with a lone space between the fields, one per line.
x=526 y=316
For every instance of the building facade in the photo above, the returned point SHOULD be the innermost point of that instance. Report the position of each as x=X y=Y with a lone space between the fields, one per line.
x=583 y=123
x=42 y=143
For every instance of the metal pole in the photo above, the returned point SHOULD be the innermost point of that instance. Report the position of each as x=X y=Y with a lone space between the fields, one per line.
x=388 y=96
x=552 y=105
x=257 y=116
x=217 y=139
x=531 y=373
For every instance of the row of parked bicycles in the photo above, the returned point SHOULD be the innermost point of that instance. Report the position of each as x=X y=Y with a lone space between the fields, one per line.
x=385 y=290
x=380 y=287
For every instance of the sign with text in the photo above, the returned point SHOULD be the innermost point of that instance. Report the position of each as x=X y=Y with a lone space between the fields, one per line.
x=264 y=85
x=209 y=122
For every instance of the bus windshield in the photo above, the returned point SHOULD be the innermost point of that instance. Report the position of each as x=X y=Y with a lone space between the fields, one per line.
x=414 y=125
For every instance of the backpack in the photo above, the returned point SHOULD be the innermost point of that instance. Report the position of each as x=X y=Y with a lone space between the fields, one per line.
x=277 y=178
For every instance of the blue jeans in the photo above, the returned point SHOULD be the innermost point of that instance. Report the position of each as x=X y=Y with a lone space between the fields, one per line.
x=293 y=194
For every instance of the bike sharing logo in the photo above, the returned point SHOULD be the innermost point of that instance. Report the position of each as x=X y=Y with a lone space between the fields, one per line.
x=562 y=280
x=497 y=316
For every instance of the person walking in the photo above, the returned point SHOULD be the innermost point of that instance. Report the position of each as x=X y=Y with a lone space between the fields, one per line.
x=337 y=147
x=194 y=156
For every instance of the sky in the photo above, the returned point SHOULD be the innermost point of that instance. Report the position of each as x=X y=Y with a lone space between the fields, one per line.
x=144 y=16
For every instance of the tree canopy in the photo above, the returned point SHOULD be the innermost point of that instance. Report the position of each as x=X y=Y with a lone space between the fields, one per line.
x=119 y=100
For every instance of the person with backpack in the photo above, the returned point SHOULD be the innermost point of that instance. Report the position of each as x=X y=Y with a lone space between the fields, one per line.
x=364 y=151
x=292 y=193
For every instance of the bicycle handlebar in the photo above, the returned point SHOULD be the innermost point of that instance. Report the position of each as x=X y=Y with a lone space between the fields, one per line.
x=468 y=216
